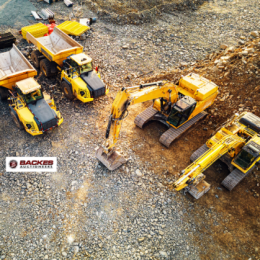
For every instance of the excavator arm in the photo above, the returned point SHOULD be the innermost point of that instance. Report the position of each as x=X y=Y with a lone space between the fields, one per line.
x=134 y=95
x=192 y=175
x=126 y=97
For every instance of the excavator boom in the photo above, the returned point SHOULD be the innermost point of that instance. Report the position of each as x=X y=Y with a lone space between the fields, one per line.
x=192 y=175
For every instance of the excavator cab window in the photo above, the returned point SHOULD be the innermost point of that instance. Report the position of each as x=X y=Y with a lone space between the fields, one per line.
x=181 y=111
x=246 y=157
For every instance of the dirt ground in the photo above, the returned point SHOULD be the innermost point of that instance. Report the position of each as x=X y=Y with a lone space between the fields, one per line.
x=124 y=7
x=136 y=11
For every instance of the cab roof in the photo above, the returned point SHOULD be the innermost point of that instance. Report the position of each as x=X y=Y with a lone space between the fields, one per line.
x=28 y=85
x=81 y=58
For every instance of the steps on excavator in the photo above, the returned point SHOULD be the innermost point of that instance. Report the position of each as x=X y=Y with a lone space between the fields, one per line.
x=172 y=134
x=145 y=116
x=199 y=190
x=234 y=178
x=204 y=148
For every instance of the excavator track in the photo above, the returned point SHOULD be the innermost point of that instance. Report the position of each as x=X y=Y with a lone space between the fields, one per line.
x=234 y=178
x=145 y=116
x=172 y=134
x=204 y=148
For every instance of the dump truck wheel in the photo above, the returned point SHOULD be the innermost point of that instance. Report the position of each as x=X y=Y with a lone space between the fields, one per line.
x=3 y=93
x=46 y=67
x=67 y=90
x=16 y=118
x=35 y=59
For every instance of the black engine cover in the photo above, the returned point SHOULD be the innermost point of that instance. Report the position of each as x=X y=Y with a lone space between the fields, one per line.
x=44 y=115
x=251 y=121
x=95 y=85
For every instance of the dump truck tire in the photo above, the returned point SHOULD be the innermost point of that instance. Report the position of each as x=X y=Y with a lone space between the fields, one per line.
x=46 y=67
x=67 y=90
x=35 y=59
x=16 y=118
x=3 y=93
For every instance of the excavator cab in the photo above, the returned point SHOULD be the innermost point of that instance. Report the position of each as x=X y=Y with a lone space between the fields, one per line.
x=181 y=111
x=247 y=156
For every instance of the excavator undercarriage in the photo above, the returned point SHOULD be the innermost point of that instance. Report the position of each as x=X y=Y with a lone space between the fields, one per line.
x=151 y=114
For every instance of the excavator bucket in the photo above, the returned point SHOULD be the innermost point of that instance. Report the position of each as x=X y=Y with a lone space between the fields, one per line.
x=112 y=161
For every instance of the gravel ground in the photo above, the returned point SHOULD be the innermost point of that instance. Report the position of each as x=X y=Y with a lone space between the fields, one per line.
x=19 y=10
x=85 y=211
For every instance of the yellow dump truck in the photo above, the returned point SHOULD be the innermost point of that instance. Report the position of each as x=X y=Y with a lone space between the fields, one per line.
x=59 y=52
x=13 y=67
x=31 y=109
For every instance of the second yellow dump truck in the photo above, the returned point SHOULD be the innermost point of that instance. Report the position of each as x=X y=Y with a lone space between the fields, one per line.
x=58 y=52
x=30 y=108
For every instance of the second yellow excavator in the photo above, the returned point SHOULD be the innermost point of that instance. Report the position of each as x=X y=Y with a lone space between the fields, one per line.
x=177 y=106
x=237 y=144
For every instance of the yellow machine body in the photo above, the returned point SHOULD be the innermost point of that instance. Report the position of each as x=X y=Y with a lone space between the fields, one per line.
x=22 y=111
x=67 y=56
x=167 y=99
x=237 y=138
x=73 y=77
x=14 y=67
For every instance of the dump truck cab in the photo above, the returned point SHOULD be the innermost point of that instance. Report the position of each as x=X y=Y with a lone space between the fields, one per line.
x=79 y=79
x=32 y=109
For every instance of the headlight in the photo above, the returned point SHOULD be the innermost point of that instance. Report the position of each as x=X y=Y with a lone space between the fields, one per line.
x=28 y=126
x=82 y=93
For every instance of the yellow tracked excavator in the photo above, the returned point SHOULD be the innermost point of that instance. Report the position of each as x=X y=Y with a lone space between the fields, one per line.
x=237 y=144
x=177 y=106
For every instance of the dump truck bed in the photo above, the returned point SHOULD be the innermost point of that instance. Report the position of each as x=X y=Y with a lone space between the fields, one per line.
x=73 y=28
x=14 y=67
x=56 y=47
x=37 y=30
